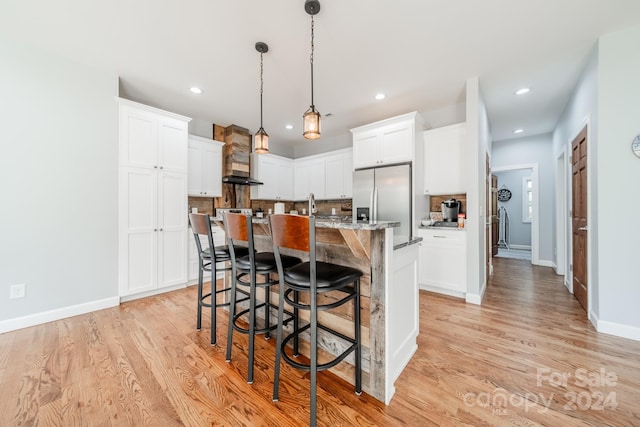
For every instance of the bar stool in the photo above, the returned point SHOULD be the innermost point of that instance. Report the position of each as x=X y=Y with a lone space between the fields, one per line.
x=244 y=273
x=208 y=260
x=313 y=278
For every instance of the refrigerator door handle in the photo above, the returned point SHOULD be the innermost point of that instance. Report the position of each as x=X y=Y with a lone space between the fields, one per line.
x=374 y=214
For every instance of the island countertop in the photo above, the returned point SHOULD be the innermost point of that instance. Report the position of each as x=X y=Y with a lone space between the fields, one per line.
x=337 y=223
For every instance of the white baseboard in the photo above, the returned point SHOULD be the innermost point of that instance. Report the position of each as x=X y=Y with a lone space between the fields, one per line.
x=544 y=263
x=617 y=329
x=473 y=299
x=442 y=291
x=520 y=247
x=57 y=314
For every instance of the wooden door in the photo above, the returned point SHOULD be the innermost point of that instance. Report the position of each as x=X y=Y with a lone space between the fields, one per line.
x=579 y=217
x=495 y=229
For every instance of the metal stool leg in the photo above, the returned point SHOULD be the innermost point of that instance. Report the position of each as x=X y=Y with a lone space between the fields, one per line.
x=252 y=324
x=314 y=355
x=276 y=370
x=213 y=303
x=200 y=278
x=232 y=312
x=357 y=337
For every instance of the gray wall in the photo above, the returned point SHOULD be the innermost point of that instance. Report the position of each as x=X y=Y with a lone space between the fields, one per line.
x=59 y=185
x=519 y=231
x=535 y=149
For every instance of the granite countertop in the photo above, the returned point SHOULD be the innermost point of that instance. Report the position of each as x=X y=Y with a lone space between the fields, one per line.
x=404 y=241
x=341 y=222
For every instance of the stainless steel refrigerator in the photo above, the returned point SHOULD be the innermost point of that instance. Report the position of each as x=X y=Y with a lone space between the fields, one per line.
x=384 y=194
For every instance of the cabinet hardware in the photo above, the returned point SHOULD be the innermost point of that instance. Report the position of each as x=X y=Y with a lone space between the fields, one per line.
x=155 y=166
x=155 y=229
x=583 y=228
x=161 y=167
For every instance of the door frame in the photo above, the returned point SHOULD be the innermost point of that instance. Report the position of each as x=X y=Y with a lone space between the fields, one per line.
x=590 y=208
x=535 y=225
x=561 y=215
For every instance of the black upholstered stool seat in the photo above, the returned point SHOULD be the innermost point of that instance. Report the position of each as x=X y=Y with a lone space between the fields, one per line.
x=265 y=262
x=222 y=251
x=327 y=275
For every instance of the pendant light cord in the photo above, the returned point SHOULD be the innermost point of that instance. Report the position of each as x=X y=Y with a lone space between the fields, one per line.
x=312 y=46
x=261 y=86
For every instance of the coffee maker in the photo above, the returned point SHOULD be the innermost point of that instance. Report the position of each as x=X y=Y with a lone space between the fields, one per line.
x=450 y=210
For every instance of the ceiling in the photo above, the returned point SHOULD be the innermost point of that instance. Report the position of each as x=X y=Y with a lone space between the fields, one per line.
x=418 y=53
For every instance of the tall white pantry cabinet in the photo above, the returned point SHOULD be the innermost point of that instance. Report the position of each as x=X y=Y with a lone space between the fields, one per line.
x=152 y=200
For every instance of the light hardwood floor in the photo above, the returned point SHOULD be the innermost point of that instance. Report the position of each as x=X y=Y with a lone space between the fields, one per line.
x=527 y=356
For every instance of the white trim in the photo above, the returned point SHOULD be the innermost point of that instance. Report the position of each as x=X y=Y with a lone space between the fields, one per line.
x=535 y=220
x=561 y=214
x=473 y=299
x=617 y=329
x=152 y=292
x=443 y=291
x=57 y=314
x=124 y=101
x=544 y=263
x=520 y=247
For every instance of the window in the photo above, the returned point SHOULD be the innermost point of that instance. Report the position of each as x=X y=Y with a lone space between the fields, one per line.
x=527 y=198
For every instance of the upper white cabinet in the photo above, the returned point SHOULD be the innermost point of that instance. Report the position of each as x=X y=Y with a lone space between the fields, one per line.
x=276 y=173
x=309 y=177
x=205 y=167
x=338 y=173
x=152 y=199
x=386 y=142
x=444 y=171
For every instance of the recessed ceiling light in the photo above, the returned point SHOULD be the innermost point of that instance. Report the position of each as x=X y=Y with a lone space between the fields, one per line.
x=289 y=127
x=380 y=96
x=518 y=131
x=522 y=91
x=196 y=90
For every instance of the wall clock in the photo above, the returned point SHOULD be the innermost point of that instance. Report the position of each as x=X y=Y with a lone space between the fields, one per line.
x=635 y=146
x=504 y=195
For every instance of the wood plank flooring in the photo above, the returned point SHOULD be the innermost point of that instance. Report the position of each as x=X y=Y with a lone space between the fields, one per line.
x=527 y=356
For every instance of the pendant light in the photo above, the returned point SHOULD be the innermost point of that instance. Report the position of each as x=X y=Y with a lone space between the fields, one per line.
x=261 y=138
x=311 y=118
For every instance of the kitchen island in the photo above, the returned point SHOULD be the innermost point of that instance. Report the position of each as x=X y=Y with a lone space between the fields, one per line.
x=389 y=297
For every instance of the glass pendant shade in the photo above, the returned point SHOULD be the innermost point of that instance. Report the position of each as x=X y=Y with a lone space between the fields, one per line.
x=261 y=145
x=311 y=124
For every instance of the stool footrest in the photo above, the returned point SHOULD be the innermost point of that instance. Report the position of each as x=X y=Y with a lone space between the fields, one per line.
x=321 y=366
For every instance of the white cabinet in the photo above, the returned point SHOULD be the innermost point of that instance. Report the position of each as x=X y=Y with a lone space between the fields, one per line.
x=444 y=171
x=338 y=175
x=152 y=199
x=276 y=173
x=309 y=177
x=443 y=261
x=218 y=240
x=386 y=142
x=205 y=167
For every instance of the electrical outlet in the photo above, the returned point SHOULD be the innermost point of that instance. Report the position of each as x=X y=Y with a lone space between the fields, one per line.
x=17 y=291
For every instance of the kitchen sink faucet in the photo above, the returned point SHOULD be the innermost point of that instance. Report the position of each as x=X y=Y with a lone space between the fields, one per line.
x=312 y=204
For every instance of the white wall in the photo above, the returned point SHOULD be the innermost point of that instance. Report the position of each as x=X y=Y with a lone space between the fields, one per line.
x=618 y=176
x=59 y=185
x=536 y=149
x=478 y=142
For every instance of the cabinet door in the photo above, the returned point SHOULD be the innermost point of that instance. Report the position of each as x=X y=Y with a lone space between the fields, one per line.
x=339 y=179
x=212 y=170
x=301 y=172
x=195 y=170
x=138 y=230
x=284 y=181
x=443 y=260
x=172 y=145
x=396 y=144
x=268 y=174
x=317 y=179
x=172 y=229
x=365 y=150
x=444 y=160
x=138 y=134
